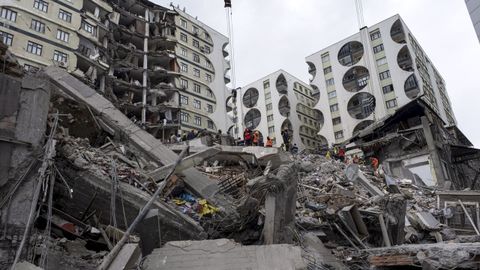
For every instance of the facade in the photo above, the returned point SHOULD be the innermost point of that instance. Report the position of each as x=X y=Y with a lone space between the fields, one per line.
x=277 y=102
x=473 y=7
x=162 y=67
x=371 y=74
x=41 y=33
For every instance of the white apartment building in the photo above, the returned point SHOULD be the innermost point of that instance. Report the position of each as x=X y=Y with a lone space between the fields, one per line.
x=369 y=75
x=277 y=102
x=473 y=7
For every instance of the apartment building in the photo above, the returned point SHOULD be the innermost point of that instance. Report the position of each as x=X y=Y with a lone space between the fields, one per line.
x=277 y=102
x=162 y=67
x=204 y=66
x=473 y=7
x=41 y=33
x=371 y=74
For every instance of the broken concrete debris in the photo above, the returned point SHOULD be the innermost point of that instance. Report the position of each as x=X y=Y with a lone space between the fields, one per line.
x=109 y=195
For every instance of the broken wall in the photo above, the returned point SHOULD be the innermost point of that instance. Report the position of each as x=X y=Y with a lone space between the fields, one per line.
x=24 y=106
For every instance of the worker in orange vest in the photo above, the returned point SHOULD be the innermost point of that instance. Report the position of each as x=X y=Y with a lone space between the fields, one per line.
x=269 y=142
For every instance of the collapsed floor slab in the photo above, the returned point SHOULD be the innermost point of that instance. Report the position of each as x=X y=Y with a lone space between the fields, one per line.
x=223 y=254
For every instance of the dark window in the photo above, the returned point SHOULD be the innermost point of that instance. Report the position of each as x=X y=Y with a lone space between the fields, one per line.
x=387 y=88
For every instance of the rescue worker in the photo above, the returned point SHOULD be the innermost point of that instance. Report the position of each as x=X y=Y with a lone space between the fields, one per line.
x=269 y=142
x=256 y=137
x=247 y=137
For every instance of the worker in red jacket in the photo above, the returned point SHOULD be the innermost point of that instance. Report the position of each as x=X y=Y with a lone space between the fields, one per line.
x=247 y=137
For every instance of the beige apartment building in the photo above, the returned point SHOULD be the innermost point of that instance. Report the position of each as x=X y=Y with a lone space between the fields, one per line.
x=162 y=67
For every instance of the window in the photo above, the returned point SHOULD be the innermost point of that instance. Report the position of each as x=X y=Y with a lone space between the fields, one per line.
x=196 y=88
x=375 y=35
x=210 y=124
x=330 y=81
x=64 y=15
x=88 y=28
x=269 y=106
x=184 y=52
x=196 y=72
x=195 y=30
x=34 y=48
x=197 y=121
x=210 y=108
x=184 y=83
x=195 y=43
x=183 y=100
x=334 y=107
x=271 y=129
x=59 y=57
x=336 y=120
x=9 y=14
x=270 y=118
x=339 y=134
x=37 y=26
x=206 y=49
x=183 y=23
x=378 y=48
x=196 y=58
x=208 y=64
x=40 y=5
x=391 y=103
x=183 y=67
x=384 y=75
x=266 y=84
x=325 y=58
x=7 y=38
x=327 y=70
x=332 y=94
x=208 y=77
x=28 y=67
x=209 y=93
x=183 y=37
x=62 y=35
x=197 y=104
x=268 y=95
x=381 y=61
x=184 y=117
x=387 y=88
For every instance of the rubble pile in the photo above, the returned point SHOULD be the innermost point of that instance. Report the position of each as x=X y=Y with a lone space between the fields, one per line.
x=347 y=216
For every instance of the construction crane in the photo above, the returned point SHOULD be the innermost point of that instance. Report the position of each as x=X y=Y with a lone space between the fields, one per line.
x=229 y=16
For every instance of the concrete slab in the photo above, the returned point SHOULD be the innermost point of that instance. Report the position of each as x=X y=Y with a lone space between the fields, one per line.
x=144 y=142
x=127 y=258
x=223 y=254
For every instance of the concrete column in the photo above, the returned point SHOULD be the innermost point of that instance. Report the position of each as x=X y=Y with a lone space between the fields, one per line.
x=145 y=66
x=433 y=151
x=280 y=208
x=102 y=84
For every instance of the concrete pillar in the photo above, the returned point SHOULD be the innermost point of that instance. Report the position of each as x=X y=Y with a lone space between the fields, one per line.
x=145 y=66
x=433 y=151
x=280 y=208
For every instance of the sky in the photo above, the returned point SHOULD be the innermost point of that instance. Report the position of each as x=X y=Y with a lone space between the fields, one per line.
x=279 y=34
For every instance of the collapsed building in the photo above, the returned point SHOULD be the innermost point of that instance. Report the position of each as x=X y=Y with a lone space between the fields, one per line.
x=85 y=187
x=162 y=67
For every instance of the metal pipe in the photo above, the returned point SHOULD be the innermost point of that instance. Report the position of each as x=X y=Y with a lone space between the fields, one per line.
x=109 y=258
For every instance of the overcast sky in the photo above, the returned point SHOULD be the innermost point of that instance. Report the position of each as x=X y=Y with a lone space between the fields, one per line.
x=279 y=34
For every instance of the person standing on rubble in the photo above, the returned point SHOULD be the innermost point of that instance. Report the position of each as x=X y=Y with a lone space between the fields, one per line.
x=374 y=162
x=286 y=139
x=269 y=142
x=173 y=138
x=191 y=135
x=256 y=137
x=247 y=137
x=341 y=154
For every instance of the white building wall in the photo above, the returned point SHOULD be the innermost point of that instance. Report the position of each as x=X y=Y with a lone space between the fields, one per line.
x=278 y=118
x=398 y=76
